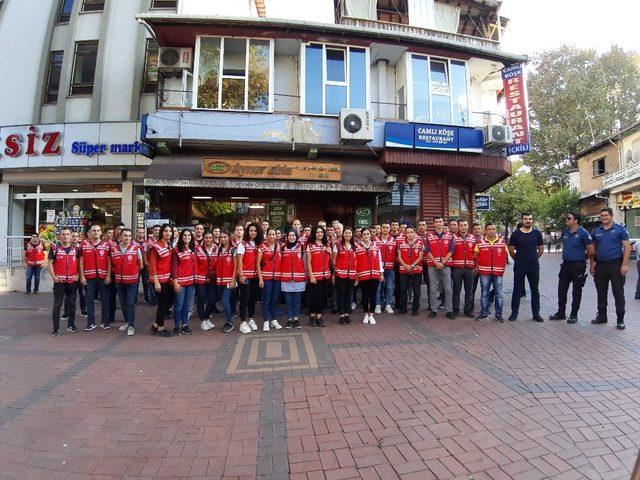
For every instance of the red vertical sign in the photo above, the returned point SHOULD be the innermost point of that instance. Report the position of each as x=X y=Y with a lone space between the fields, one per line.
x=515 y=91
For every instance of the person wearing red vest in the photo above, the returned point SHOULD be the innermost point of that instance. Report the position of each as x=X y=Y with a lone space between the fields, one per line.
x=388 y=246
x=206 y=288
x=439 y=250
x=183 y=275
x=95 y=274
x=410 y=253
x=344 y=274
x=246 y=259
x=292 y=277
x=462 y=272
x=159 y=259
x=63 y=268
x=319 y=270
x=491 y=261
x=268 y=266
x=126 y=263
x=34 y=260
x=478 y=233
x=226 y=277
x=369 y=273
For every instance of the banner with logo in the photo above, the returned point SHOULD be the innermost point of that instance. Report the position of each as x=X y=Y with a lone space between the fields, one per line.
x=515 y=90
x=363 y=217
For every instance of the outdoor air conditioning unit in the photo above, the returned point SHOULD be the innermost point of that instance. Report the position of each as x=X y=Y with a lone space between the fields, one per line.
x=356 y=126
x=170 y=58
x=498 y=135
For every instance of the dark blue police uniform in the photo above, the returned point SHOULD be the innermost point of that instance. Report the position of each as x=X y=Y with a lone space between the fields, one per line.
x=572 y=271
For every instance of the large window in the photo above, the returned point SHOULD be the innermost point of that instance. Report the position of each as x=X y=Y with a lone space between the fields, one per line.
x=64 y=15
x=150 y=67
x=439 y=90
x=234 y=74
x=92 y=5
x=53 y=77
x=84 y=68
x=334 y=78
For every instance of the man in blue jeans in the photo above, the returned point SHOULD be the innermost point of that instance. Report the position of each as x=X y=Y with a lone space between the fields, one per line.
x=526 y=247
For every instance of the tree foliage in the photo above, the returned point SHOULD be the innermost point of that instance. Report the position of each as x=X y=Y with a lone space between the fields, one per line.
x=578 y=97
x=556 y=207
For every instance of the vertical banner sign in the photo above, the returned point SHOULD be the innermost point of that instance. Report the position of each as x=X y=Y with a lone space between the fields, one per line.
x=277 y=212
x=363 y=217
x=515 y=91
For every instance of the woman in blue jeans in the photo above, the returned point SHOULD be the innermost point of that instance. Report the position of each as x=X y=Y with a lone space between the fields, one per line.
x=225 y=278
x=293 y=277
x=183 y=273
x=268 y=266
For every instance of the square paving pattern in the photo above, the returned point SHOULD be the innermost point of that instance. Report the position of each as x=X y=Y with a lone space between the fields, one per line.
x=408 y=398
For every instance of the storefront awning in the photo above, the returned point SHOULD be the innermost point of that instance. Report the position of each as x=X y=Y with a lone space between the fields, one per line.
x=185 y=170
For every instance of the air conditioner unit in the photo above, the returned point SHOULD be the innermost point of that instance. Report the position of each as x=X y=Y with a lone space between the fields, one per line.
x=356 y=126
x=175 y=58
x=498 y=135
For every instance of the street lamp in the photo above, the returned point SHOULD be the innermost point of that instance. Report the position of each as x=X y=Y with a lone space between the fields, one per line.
x=410 y=181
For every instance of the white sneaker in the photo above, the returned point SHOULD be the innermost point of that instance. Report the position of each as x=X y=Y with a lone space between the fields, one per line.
x=378 y=310
x=275 y=324
x=252 y=324
x=388 y=309
x=122 y=328
x=265 y=327
x=131 y=331
x=204 y=326
x=245 y=328
x=366 y=318
x=210 y=324
x=372 y=321
x=354 y=306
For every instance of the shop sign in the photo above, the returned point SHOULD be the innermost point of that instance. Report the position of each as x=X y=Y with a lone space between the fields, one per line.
x=436 y=137
x=426 y=136
x=271 y=169
x=88 y=149
x=516 y=102
x=483 y=203
x=363 y=217
x=277 y=212
x=629 y=200
x=152 y=222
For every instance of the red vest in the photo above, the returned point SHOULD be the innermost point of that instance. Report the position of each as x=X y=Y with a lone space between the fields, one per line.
x=224 y=265
x=163 y=264
x=439 y=247
x=187 y=264
x=388 y=251
x=292 y=265
x=463 y=251
x=125 y=265
x=368 y=261
x=409 y=254
x=65 y=265
x=320 y=261
x=345 y=262
x=249 y=260
x=95 y=258
x=492 y=258
x=271 y=262
x=206 y=264
x=34 y=254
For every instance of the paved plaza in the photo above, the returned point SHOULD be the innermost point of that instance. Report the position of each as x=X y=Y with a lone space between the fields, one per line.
x=407 y=398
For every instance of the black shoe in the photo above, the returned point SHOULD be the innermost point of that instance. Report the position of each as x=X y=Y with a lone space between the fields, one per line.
x=228 y=328
x=456 y=312
x=598 y=321
x=469 y=315
x=176 y=331
x=83 y=314
x=513 y=318
x=572 y=320
x=348 y=319
x=186 y=330
x=480 y=318
x=27 y=293
x=154 y=329
x=342 y=321
x=401 y=312
x=620 y=325
x=289 y=324
x=320 y=322
x=64 y=318
x=89 y=327
x=637 y=296
x=55 y=333
x=312 y=321
x=334 y=311
x=163 y=333
x=432 y=314
x=451 y=315
x=499 y=319
x=72 y=329
x=538 y=318
x=296 y=324
x=558 y=316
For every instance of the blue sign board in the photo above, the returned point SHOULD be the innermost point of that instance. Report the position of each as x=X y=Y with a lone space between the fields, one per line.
x=426 y=136
x=483 y=202
x=470 y=140
x=399 y=135
x=435 y=137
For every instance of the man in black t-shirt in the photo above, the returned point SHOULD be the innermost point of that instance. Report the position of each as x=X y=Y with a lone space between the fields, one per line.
x=525 y=247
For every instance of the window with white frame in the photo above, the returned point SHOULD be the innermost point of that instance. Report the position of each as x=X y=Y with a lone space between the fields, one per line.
x=438 y=90
x=234 y=74
x=334 y=77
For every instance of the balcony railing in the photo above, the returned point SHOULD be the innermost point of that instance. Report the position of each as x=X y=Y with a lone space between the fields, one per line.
x=421 y=32
x=623 y=176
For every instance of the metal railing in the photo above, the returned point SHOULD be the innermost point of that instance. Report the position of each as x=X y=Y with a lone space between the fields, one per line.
x=622 y=176
x=12 y=251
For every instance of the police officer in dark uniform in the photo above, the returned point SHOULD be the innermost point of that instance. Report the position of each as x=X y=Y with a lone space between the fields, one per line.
x=577 y=245
x=610 y=264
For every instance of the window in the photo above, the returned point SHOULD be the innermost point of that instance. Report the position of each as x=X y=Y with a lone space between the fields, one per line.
x=599 y=167
x=150 y=67
x=92 y=5
x=334 y=78
x=65 y=11
x=458 y=204
x=234 y=74
x=84 y=68
x=438 y=90
x=53 y=77
x=164 y=3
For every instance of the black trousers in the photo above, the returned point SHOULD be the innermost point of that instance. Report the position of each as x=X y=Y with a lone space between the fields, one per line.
x=165 y=301
x=369 y=289
x=606 y=272
x=317 y=294
x=248 y=295
x=80 y=292
x=571 y=273
x=112 y=299
x=410 y=281
x=462 y=277
x=64 y=293
x=530 y=270
x=344 y=292
x=425 y=279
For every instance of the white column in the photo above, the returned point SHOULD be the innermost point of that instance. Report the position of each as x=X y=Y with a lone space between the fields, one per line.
x=127 y=204
x=381 y=66
x=4 y=221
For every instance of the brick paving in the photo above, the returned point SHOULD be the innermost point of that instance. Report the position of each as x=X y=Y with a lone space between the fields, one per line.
x=408 y=398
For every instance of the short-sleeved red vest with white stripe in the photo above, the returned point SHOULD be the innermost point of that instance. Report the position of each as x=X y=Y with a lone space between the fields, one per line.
x=463 y=251
x=345 y=266
x=95 y=258
x=409 y=252
x=388 y=251
x=292 y=264
x=163 y=264
x=206 y=264
x=224 y=265
x=320 y=260
x=125 y=265
x=249 y=260
x=35 y=253
x=368 y=261
x=271 y=263
x=187 y=264
x=65 y=265
x=439 y=247
x=492 y=258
